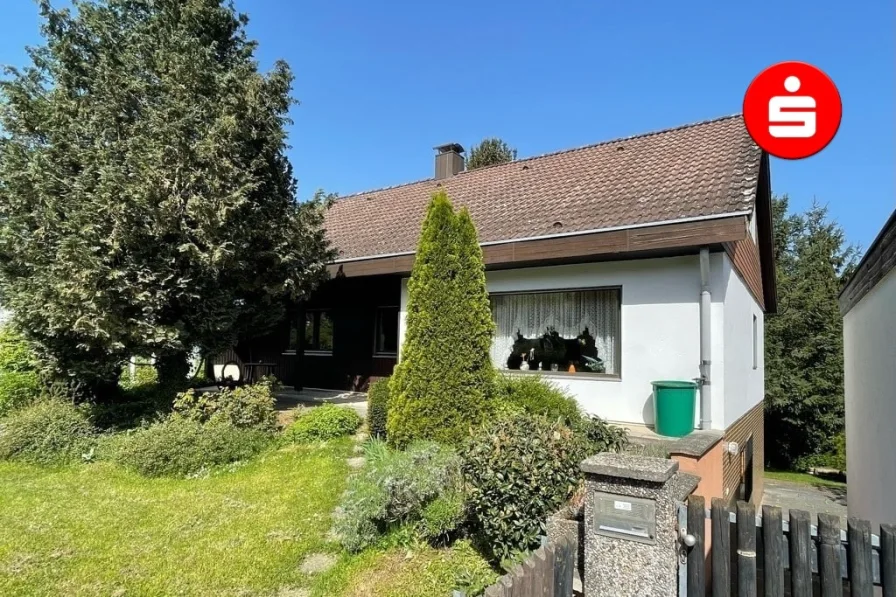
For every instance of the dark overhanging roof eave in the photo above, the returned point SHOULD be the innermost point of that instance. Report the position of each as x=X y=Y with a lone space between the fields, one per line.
x=612 y=244
x=564 y=235
x=878 y=261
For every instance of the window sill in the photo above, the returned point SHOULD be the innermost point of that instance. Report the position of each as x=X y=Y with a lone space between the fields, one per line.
x=566 y=374
x=318 y=353
x=385 y=355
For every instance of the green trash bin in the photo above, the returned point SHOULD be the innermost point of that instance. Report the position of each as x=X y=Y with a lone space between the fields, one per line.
x=673 y=406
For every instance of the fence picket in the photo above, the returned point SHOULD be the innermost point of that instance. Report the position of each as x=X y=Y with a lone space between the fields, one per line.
x=800 y=554
x=507 y=584
x=888 y=559
x=517 y=577
x=829 y=555
x=548 y=575
x=773 y=560
x=528 y=582
x=697 y=553
x=721 y=549
x=859 y=560
x=746 y=549
x=563 y=573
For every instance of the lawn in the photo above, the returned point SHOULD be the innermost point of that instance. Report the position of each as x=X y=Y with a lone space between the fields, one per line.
x=244 y=530
x=803 y=478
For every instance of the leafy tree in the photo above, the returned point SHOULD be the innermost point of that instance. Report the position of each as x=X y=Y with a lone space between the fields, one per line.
x=804 y=341
x=489 y=152
x=146 y=202
x=445 y=378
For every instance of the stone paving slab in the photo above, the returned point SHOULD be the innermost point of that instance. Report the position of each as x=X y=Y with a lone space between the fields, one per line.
x=289 y=398
x=814 y=499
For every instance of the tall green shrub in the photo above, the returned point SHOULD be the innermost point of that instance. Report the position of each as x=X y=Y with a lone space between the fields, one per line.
x=378 y=408
x=443 y=383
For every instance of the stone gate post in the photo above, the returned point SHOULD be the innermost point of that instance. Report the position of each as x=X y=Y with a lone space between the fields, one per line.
x=631 y=525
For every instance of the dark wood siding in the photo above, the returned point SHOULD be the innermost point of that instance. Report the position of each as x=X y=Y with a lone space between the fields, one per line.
x=352 y=304
x=744 y=255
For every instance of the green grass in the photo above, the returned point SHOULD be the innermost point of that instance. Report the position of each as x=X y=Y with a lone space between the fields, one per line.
x=802 y=478
x=243 y=530
x=420 y=571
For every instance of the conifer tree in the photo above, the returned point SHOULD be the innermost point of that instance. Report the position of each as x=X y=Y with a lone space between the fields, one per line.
x=804 y=342
x=443 y=383
x=489 y=152
x=146 y=202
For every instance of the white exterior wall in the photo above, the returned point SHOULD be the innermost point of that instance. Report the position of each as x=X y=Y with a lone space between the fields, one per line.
x=744 y=386
x=660 y=337
x=869 y=348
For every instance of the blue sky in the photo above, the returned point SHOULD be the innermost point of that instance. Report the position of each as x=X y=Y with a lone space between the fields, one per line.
x=381 y=83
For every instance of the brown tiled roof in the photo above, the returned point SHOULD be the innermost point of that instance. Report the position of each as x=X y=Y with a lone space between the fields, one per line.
x=704 y=169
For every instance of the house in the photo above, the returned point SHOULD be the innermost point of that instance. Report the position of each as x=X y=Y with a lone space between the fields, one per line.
x=649 y=255
x=868 y=305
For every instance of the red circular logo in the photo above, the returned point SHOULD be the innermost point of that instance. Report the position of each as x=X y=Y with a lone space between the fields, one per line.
x=792 y=110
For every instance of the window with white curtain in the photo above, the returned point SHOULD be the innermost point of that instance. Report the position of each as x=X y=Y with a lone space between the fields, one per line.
x=570 y=331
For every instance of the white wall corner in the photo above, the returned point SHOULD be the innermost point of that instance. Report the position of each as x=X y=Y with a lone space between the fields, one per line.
x=744 y=385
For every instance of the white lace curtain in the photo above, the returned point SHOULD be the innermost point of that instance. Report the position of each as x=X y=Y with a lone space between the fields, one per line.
x=567 y=313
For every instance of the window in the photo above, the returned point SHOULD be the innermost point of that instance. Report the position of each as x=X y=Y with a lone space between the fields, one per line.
x=755 y=343
x=386 y=338
x=572 y=331
x=318 y=332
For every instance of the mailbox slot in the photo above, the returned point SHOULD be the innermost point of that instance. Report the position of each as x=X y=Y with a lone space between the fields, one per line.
x=622 y=517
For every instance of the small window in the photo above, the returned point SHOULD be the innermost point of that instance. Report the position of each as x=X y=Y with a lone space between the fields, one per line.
x=755 y=343
x=318 y=332
x=386 y=340
x=293 y=336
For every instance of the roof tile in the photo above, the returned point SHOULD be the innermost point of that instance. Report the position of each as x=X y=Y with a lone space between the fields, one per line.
x=703 y=169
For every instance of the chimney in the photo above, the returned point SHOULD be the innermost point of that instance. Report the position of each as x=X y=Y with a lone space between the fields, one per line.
x=449 y=160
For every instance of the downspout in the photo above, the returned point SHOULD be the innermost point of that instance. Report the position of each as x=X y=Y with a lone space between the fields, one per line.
x=705 y=343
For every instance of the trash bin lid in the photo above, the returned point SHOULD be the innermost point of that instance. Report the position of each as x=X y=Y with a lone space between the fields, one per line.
x=674 y=384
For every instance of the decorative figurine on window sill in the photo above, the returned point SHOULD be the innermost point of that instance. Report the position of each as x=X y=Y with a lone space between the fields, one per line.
x=552 y=352
x=527 y=357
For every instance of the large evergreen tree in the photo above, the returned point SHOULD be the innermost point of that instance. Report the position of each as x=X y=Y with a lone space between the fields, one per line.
x=146 y=202
x=442 y=385
x=489 y=152
x=804 y=341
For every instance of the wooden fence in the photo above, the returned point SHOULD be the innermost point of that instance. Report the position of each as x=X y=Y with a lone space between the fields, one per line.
x=548 y=572
x=772 y=557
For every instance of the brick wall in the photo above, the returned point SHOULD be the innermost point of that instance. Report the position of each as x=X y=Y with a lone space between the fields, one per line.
x=751 y=424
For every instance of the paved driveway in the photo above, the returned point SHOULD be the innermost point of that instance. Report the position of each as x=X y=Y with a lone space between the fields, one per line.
x=799 y=496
